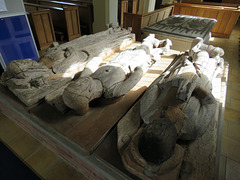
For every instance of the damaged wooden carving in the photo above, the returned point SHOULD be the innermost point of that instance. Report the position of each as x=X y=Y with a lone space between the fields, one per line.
x=178 y=105
x=31 y=80
x=115 y=78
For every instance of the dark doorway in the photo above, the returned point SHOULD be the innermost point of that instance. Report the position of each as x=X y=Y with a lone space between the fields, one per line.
x=1 y=70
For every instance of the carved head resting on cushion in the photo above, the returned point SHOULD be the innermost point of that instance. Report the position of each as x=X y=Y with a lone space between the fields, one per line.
x=114 y=79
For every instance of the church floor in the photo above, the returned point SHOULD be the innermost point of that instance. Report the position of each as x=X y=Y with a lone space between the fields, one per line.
x=48 y=165
x=230 y=156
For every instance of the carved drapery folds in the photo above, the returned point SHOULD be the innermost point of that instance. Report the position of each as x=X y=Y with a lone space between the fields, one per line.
x=31 y=81
x=115 y=78
x=178 y=105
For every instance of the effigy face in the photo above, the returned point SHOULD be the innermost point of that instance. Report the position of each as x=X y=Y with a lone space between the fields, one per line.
x=178 y=105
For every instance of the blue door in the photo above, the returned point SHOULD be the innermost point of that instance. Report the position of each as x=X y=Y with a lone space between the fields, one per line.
x=16 y=41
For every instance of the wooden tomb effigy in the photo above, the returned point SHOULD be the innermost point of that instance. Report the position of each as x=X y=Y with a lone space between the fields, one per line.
x=89 y=142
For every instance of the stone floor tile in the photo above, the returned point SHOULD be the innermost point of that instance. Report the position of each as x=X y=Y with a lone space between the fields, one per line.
x=228 y=102
x=225 y=127
x=233 y=78
x=6 y=123
x=235 y=104
x=236 y=70
x=25 y=145
x=222 y=168
x=232 y=170
x=233 y=85
x=10 y=131
x=230 y=148
x=43 y=161
x=232 y=115
x=232 y=93
x=234 y=131
x=64 y=172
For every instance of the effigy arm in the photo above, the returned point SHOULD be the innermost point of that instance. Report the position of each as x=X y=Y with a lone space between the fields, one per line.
x=124 y=87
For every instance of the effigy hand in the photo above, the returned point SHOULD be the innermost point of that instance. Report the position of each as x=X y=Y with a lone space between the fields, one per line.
x=185 y=87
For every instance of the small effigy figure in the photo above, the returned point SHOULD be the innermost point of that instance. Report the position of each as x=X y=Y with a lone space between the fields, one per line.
x=32 y=81
x=114 y=79
x=178 y=105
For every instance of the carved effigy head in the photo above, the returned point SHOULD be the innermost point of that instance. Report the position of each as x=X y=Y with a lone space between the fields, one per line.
x=153 y=153
x=25 y=74
x=79 y=93
x=82 y=91
x=157 y=141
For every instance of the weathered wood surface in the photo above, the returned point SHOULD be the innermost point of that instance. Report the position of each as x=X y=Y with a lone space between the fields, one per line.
x=89 y=130
x=204 y=152
x=113 y=80
x=56 y=142
x=32 y=80
x=149 y=108
x=105 y=163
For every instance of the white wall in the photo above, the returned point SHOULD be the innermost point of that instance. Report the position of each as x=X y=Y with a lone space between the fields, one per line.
x=105 y=13
x=14 y=7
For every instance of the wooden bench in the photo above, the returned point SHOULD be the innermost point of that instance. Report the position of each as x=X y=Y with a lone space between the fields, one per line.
x=139 y=21
x=65 y=20
x=85 y=12
x=226 y=16
x=122 y=8
x=83 y=2
x=42 y=27
x=125 y=6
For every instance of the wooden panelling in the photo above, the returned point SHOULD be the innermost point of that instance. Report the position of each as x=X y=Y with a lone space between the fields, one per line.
x=72 y=21
x=226 y=16
x=124 y=8
x=191 y=1
x=231 y=1
x=137 y=21
x=65 y=20
x=42 y=26
x=134 y=21
x=85 y=10
x=135 y=6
